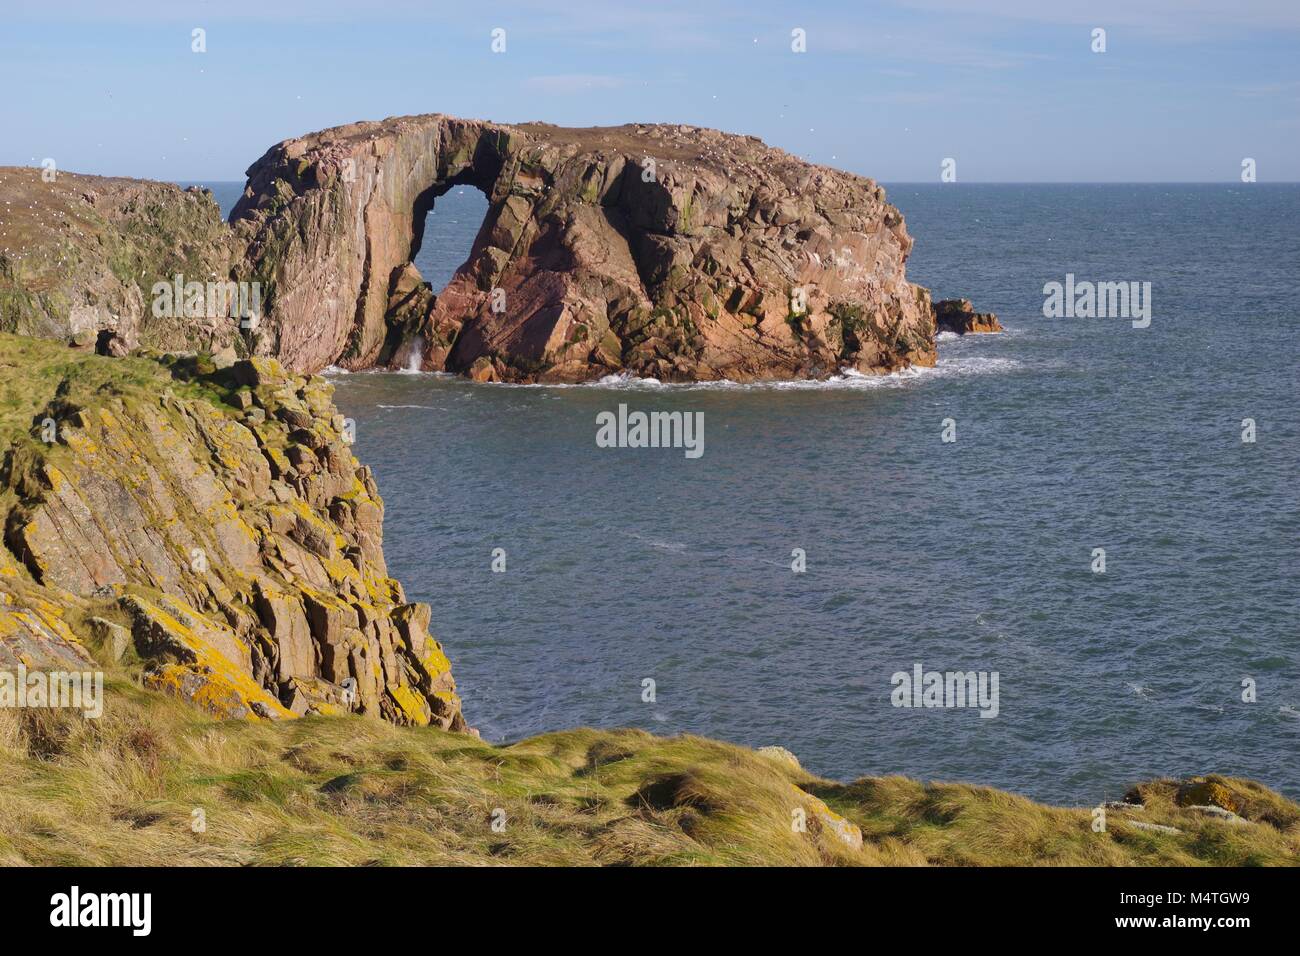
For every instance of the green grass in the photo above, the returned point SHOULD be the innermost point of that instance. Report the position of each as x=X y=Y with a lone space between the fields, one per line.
x=354 y=791
x=34 y=372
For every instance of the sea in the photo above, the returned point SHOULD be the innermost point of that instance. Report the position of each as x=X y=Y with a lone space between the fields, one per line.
x=1103 y=515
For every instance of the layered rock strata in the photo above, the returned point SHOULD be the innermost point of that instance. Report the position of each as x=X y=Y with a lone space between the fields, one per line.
x=667 y=251
x=218 y=517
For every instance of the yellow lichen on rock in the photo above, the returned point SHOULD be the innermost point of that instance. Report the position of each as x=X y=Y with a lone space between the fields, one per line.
x=227 y=513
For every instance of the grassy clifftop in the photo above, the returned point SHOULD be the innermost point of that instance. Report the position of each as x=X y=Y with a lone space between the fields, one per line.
x=130 y=788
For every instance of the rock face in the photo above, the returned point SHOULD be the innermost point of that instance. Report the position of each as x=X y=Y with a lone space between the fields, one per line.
x=668 y=251
x=959 y=316
x=219 y=517
x=79 y=256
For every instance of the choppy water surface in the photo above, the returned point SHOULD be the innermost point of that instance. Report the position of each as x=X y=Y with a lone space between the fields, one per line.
x=1073 y=434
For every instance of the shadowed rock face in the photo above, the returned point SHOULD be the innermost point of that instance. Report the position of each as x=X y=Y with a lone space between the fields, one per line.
x=959 y=316
x=671 y=251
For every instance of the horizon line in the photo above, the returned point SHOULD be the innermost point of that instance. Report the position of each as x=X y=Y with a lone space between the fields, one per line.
x=930 y=182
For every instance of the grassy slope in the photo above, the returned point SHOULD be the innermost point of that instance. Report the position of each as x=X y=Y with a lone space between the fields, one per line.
x=350 y=790
x=33 y=370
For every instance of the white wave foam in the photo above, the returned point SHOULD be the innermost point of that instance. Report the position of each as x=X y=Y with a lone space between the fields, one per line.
x=847 y=379
x=334 y=370
x=676 y=547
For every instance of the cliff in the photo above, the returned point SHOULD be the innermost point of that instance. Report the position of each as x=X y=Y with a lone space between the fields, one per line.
x=210 y=522
x=656 y=250
x=80 y=255
x=200 y=533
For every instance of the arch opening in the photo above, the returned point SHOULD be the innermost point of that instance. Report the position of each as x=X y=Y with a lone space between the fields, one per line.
x=445 y=224
x=445 y=231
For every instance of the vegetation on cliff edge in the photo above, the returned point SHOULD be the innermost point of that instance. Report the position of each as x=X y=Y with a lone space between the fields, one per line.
x=128 y=789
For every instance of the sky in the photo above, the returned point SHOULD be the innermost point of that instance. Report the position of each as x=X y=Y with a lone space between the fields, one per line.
x=1012 y=90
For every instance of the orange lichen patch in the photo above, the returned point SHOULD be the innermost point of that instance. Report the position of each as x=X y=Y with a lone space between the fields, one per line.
x=151 y=469
x=212 y=691
x=201 y=671
x=825 y=819
x=33 y=631
x=1201 y=792
x=413 y=707
x=435 y=662
x=56 y=478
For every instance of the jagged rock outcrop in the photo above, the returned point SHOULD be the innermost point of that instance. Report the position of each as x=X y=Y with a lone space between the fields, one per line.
x=671 y=251
x=218 y=516
x=960 y=317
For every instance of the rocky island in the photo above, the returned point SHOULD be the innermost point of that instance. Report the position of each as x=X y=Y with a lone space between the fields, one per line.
x=183 y=513
x=655 y=250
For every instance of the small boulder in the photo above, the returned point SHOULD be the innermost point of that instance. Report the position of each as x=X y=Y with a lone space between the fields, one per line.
x=483 y=370
x=827 y=820
x=1210 y=810
x=1152 y=827
x=114 y=638
x=111 y=344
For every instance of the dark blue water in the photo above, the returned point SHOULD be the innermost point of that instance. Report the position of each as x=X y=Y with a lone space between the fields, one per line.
x=1072 y=434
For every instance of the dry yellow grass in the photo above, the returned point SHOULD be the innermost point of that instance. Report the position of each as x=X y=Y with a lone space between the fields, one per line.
x=351 y=791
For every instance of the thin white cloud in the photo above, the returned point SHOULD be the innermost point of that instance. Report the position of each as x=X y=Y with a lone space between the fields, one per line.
x=1173 y=18
x=1268 y=89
